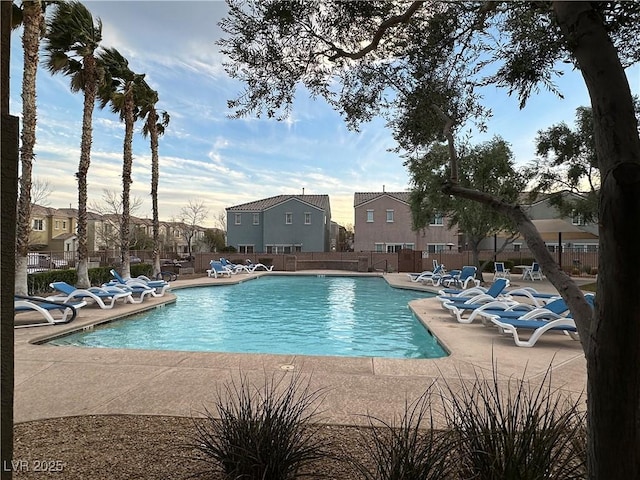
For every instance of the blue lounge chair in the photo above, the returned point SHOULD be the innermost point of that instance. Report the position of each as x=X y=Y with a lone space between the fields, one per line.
x=497 y=288
x=499 y=271
x=68 y=310
x=539 y=320
x=533 y=272
x=105 y=298
x=460 y=305
x=438 y=269
x=539 y=327
x=218 y=270
x=139 y=284
x=461 y=280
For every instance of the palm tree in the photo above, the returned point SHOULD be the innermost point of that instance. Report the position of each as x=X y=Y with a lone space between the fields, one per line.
x=72 y=41
x=123 y=89
x=154 y=126
x=32 y=17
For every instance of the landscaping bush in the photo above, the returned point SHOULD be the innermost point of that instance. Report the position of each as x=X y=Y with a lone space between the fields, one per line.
x=138 y=269
x=408 y=449
x=38 y=283
x=262 y=433
x=515 y=430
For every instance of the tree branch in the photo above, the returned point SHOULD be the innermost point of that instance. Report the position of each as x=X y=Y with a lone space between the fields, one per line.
x=382 y=29
x=581 y=310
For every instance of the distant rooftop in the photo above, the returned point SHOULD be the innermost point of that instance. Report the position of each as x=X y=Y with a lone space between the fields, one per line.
x=320 y=201
x=363 y=197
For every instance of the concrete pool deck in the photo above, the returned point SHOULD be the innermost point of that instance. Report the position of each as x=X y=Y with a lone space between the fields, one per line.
x=57 y=381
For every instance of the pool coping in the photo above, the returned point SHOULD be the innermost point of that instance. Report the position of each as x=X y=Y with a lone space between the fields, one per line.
x=54 y=381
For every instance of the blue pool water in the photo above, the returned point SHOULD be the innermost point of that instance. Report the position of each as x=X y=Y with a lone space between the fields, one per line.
x=305 y=315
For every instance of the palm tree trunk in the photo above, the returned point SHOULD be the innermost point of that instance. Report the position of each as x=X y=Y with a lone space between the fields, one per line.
x=32 y=21
x=127 y=165
x=90 y=90
x=155 y=174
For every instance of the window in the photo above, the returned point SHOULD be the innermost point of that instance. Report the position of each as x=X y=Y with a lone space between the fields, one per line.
x=64 y=225
x=437 y=220
x=288 y=218
x=245 y=248
x=379 y=247
x=256 y=219
x=409 y=246
x=577 y=219
x=389 y=216
x=38 y=224
x=436 y=247
x=307 y=218
x=369 y=216
x=394 y=247
x=517 y=247
x=298 y=248
x=238 y=219
x=56 y=225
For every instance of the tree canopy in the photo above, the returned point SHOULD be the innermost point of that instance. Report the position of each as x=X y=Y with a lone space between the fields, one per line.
x=488 y=167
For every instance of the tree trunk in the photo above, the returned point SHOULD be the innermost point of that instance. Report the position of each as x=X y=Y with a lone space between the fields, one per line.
x=155 y=176
x=90 y=89
x=613 y=356
x=32 y=21
x=8 y=196
x=127 y=164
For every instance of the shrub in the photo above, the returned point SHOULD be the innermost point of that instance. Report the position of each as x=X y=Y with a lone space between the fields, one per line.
x=138 y=269
x=516 y=431
x=38 y=283
x=406 y=449
x=261 y=433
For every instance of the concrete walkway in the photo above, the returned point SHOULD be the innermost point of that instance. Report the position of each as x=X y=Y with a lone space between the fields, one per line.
x=54 y=381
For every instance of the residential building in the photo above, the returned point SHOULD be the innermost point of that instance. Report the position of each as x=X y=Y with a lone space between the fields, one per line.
x=281 y=224
x=572 y=232
x=383 y=223
x=53 y=229
x=56 y=230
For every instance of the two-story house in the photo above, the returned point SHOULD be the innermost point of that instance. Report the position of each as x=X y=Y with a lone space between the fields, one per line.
x=572 y=232
x=53 y=229
x=281 y=224
x=383 y=224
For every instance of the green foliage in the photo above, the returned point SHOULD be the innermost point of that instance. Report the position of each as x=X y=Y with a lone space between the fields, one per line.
x=511 y=429
x=568 y=162
x=214 y=240
x=261 y=433
x=137 y=269
x=229 y=249
x=406 y=449
x=38 y=283
x=488 y=167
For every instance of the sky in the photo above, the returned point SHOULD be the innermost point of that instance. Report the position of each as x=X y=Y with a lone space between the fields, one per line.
x=208 y=157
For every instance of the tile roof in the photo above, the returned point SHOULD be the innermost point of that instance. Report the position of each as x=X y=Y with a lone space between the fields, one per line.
x=320 y=201
x=364 y=197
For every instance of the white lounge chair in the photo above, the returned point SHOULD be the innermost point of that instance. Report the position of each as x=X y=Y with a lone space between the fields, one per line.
x=499 y=271
x=257 y=266
x=103 y=297
x=44 y=307
x=218 y=270
x=533 y=272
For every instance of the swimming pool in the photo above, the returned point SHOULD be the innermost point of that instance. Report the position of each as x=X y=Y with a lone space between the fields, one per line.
x=305 y=315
